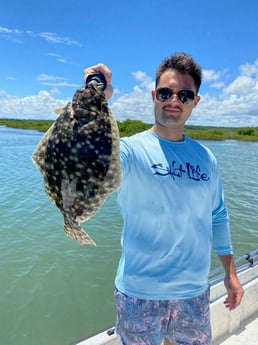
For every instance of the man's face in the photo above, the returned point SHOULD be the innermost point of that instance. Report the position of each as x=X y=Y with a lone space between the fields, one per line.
x=172 y=114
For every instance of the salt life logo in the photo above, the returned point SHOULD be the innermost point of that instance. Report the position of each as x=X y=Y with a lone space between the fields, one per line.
x=193 y=172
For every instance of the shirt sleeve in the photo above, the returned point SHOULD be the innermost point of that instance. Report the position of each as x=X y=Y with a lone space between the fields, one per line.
x=220 y=219
x=125 y=155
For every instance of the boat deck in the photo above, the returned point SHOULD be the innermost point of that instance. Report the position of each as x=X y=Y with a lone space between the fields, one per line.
x=247 y=334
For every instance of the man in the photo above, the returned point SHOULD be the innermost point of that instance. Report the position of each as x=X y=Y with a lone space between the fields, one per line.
x=172 y=204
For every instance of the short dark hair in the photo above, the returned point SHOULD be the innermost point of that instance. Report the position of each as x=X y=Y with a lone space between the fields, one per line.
x=182 y=63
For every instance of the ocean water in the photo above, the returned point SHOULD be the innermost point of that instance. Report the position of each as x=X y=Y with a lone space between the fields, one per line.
x=54 y=291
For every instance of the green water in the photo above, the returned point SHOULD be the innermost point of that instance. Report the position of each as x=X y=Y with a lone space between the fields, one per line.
x=54 y=291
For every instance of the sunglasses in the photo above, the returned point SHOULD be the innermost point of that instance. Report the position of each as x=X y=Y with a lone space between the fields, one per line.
x=163 y=94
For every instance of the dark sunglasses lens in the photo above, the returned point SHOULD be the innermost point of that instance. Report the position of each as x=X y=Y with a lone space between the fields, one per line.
x=163 y=94
x=186 y=96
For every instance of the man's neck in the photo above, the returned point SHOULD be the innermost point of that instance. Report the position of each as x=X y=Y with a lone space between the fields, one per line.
x=168 y=133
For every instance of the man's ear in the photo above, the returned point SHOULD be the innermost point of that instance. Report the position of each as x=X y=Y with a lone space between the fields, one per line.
x=153 y=95
x=196 y=100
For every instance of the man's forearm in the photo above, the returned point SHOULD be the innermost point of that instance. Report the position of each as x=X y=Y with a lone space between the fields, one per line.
x=228 y=264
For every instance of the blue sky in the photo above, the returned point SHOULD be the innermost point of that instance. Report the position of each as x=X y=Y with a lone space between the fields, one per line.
x=45 y=45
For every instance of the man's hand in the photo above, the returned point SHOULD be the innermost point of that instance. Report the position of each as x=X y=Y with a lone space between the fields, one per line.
x=101 y=68
x=231 y=282
x=235 y=292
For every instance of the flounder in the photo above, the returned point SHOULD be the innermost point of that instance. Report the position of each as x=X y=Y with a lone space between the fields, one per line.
x=79 y=159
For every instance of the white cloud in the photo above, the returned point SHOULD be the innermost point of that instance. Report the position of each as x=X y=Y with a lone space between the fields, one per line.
x=146 y=82
x=249 y=69
x=242 y=85
x=138 y=103
x=43 y=77
x=50 y=37
x=62 y=60
x=9 y=31
x=52 y=80
x=218 y=85
x=210 y=75
x=58 y=58
x=55 y=38
x=41 y=106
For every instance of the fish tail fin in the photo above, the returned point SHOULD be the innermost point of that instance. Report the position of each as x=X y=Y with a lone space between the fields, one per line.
x=77 y=233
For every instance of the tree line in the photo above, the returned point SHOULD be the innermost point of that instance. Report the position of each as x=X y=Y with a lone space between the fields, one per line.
x=130 y=127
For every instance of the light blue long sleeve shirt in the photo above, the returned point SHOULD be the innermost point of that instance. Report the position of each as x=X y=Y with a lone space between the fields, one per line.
x=172 y=204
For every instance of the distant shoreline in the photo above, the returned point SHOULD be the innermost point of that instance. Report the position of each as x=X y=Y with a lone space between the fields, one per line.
x=130 y=127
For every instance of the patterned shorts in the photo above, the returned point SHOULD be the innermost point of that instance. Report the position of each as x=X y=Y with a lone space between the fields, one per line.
x=147 y=322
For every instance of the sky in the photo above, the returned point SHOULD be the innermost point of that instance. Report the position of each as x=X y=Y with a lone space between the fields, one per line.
x=46 y=45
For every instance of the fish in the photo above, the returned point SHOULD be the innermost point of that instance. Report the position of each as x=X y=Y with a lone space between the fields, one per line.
x=79 y=159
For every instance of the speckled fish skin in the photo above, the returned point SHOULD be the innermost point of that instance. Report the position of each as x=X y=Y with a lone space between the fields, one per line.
x=79 y=159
